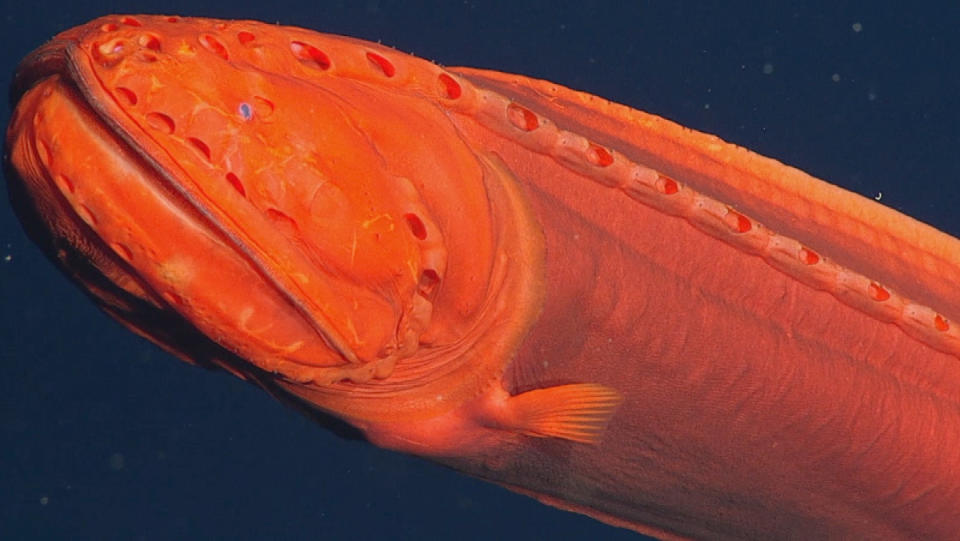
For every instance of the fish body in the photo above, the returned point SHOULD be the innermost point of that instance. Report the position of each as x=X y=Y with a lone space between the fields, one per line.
x=579 y=301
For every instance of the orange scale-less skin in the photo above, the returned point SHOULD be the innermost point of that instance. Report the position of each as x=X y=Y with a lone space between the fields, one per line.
x=582 y=302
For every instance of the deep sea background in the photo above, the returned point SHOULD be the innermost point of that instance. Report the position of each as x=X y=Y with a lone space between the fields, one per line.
x=103 y=436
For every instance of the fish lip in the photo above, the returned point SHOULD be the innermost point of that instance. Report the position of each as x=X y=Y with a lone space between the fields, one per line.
x=44 y=61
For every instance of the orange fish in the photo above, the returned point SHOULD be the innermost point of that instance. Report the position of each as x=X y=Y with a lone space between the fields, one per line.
x=576 y=300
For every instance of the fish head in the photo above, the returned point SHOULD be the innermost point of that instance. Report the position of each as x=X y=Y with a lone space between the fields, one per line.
x=292 y=197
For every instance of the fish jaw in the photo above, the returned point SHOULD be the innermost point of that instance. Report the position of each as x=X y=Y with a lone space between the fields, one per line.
x=278 y=296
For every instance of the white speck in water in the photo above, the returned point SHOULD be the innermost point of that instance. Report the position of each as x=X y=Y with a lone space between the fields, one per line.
x=116 y=461
x=856 y=27
x=835 y=77
x=767 y=68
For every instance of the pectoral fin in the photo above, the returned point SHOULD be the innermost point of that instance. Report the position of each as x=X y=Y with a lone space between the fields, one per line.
x=576 y=412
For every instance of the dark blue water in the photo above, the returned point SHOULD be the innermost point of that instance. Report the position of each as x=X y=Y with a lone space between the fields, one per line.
x=102 y=436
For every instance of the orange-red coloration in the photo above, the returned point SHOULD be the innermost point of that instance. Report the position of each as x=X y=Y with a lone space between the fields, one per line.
x=583 y=302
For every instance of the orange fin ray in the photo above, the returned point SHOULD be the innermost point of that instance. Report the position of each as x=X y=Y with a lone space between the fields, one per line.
x=577 y=412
